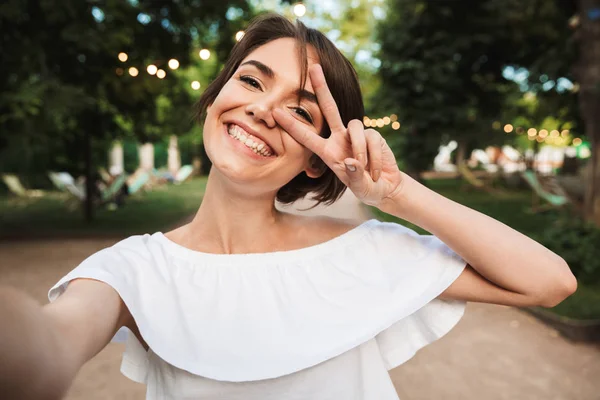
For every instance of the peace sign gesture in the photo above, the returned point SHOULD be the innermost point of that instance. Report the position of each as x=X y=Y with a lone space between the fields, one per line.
x=360 y=158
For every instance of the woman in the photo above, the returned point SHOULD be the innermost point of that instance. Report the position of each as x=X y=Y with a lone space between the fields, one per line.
x=246 y=302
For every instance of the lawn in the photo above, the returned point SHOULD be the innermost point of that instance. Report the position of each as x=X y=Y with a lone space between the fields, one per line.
x=58 y=215
x=511 y=209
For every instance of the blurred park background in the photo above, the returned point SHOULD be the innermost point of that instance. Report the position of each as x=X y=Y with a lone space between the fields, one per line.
x=493 y=103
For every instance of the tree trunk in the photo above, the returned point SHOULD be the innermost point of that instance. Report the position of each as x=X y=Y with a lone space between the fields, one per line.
x=588 y=74
x=461 y=152
x=89 y=179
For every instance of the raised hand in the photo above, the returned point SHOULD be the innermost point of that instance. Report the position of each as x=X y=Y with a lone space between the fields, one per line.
x=360 y=158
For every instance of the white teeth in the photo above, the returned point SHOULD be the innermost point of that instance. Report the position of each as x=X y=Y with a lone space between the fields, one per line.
x=258 y=148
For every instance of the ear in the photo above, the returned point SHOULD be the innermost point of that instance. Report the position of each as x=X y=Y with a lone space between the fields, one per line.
x=315 y=168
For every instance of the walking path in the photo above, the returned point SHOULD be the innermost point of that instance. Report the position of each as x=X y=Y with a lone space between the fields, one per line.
x=494 y=353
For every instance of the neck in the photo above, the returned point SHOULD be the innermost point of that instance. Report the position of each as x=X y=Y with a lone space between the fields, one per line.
x=232 y=221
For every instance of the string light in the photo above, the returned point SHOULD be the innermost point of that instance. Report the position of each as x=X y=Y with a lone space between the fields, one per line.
x=204 y=54
x=160 y=74
x=123 y=57
x=564 y=133
x=531 y=132
x=173 y=64
x=299 y=10
x=239 y=35
x=386 y=120
x=133 y=71
x=395 y=125
x=554 y=133
x=119 y=71
x=508 y=128
x=543 y=133
x=393 y=117
x=152 y=69
x=577 y=142
x=195 y=85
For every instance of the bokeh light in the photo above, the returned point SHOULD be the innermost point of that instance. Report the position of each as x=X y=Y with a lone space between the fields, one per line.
x=123 y=57
x=543 y=133
x=160 y=74
x=204 y=54
x=508 y=128
x=152 y=69
x=577 y=142
x=173 y=63
x=395 y=125
x=299 y=10
x=531 y=132
x=393 y=117
x=133 y=71
x=386 y=120
x=195 y=85
x=239 y=35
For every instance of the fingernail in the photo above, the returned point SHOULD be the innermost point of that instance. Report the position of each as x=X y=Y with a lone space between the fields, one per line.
x=351 y=168
x=376 y=174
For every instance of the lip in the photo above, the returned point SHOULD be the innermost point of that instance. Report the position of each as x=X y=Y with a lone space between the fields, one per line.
x=252 y=132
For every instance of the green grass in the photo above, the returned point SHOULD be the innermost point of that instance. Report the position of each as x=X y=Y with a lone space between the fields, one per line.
x=512 y=209
x=56 y=214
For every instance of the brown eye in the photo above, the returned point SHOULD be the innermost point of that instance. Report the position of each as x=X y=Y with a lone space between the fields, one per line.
x=250 y=81
x=302 y=112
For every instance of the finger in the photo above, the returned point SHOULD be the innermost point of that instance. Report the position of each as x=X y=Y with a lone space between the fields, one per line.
x=326 y=101
x=299 y=132
x=356 y=175
x=374 y=149
x=359 y=144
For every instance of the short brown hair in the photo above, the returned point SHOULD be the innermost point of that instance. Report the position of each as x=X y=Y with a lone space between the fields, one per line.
x=339 y=74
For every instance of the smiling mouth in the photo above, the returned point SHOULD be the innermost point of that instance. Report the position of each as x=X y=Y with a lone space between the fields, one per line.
x=252 y=142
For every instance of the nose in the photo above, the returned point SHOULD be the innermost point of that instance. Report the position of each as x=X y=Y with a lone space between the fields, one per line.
x=261 y=113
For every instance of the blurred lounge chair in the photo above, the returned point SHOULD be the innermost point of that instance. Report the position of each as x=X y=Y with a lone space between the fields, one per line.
x=184 y=173
x=137 y=181
x=14 y=185
x=63 y=181
x=547 y=189
x=484 y=184
x=113 y=190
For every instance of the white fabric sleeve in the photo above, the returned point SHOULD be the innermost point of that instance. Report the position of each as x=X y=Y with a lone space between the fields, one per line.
x=426 y=266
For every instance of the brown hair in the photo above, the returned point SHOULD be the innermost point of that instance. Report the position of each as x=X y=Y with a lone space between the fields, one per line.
x=339 y=74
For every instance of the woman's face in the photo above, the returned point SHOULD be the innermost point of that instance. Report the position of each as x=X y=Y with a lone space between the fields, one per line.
x=241 y=137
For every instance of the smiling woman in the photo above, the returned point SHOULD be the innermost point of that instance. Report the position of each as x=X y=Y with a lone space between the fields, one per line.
x=269 y=68
x=249 y=302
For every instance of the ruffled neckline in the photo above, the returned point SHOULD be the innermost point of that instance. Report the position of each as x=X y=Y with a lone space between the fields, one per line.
x=331 y=245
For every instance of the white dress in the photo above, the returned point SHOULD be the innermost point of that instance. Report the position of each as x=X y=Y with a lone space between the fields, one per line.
x=324 y=322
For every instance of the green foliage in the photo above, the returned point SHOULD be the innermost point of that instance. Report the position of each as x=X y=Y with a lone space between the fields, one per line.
x=442 y=66
x=578 y=243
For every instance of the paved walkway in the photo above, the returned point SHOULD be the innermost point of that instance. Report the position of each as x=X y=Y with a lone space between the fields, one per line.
x=494 y=353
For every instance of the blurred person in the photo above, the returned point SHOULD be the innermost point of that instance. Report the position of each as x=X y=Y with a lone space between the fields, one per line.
x=248 y=302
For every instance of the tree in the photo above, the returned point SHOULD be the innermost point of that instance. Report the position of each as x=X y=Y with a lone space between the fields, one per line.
x=587 y=71
x=62 y=81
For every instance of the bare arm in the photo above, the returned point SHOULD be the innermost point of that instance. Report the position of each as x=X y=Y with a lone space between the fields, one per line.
x=505 y=266
x=43 y=347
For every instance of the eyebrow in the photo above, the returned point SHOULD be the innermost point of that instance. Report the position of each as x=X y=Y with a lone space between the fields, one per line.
x=261 y=67
x=266 y=70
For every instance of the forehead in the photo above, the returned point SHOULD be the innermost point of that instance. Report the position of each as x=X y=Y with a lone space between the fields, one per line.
x=281 y=55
